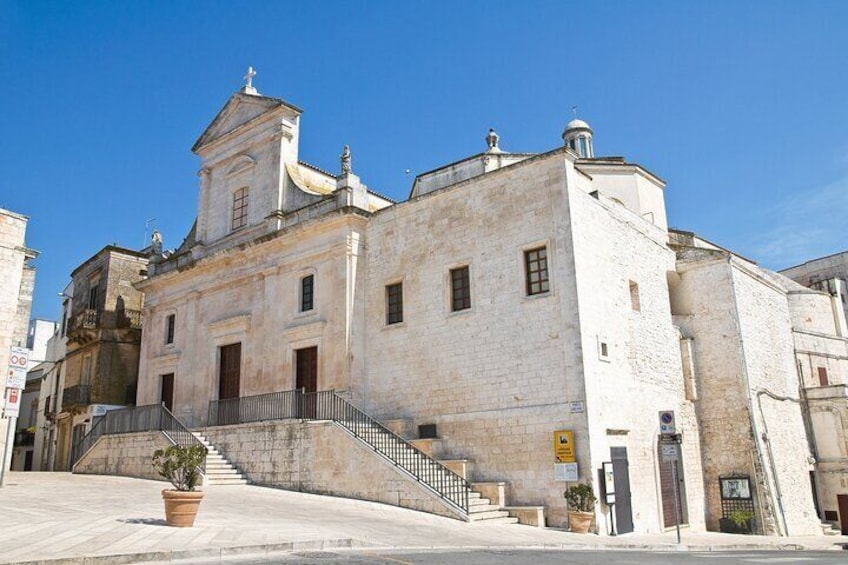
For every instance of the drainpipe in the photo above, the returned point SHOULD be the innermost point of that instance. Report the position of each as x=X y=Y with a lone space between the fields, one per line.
x=811 y=437
x=767 y=442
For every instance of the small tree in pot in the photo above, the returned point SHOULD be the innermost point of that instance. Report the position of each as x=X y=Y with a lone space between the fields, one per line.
x=181 y=466
x=581 y=507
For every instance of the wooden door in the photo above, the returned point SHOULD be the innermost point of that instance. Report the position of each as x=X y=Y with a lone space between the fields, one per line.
x=167 y=392
x=671 y=479
x=306 y=380
x=230 y=371
x=842 y=501
x=229 y=382
x=621 y=478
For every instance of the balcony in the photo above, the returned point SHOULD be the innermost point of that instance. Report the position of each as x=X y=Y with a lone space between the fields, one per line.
x=75 y=396
x=83 y=328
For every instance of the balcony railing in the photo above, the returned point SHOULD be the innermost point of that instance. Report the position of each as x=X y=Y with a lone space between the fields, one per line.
x=86 y=320
x=78 y=395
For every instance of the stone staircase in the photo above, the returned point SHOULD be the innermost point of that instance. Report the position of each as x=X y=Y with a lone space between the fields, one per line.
x=487 y=500
x=426 y=469
x=829 y=529
x=219 y=471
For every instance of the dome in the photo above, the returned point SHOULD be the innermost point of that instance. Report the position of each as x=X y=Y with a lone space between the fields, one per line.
x=577 y=124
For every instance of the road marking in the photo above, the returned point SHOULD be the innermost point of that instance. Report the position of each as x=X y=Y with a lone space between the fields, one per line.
x=779 y=559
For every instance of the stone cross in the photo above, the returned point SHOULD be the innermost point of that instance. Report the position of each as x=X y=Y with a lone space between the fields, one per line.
x=249 y=77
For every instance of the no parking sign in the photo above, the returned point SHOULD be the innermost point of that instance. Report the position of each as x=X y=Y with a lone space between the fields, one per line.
x=18 y=361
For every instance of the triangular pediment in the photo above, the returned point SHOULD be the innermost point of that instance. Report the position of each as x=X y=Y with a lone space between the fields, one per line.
x=239 y=110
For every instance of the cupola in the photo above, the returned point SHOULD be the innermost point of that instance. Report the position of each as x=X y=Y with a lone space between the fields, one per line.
x=578 y=136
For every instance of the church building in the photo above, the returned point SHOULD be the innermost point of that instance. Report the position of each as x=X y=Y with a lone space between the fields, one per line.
x=529 y=320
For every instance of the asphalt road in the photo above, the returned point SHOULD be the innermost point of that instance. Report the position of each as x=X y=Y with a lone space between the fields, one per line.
x=545 y=557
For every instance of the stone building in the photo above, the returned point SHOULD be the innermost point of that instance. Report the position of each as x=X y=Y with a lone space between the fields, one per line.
x=823 y=366
x=40 y=332
x=515 y=304
x=17 y=282
x=103 y=330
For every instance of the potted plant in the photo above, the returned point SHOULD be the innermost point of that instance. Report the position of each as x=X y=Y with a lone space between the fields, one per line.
x=581 y=507
x=181 y=466
x=739 y=521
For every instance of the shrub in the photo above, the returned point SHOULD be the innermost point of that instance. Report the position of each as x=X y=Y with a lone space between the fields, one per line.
x=580 y=498
x=180 y=465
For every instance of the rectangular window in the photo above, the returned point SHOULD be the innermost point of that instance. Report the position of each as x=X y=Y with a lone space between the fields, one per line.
x=536 y=267
x=394 y=303
x=460 y=289
x=170 y=322
x=822 y=376
x=92 y=298
x=307 y=287
x=240 y=208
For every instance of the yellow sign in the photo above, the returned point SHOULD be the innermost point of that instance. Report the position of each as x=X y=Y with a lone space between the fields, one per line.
x=564 y=446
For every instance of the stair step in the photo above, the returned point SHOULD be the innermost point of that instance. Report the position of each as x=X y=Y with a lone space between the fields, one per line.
x=502 y=520
x=489 y=515
x=478 y=500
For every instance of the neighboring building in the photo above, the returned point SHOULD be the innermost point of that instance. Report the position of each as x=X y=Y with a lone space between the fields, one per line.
x=823 y=366
x=513 y=298
x=50 y=392
x=40 y=332
x=100 y=366
x=17 y=282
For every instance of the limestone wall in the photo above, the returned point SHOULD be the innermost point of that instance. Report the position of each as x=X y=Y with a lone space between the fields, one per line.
x=321 y=458
x=252 y=296
x=125 y=455
x=621 y=268
x=764 y=321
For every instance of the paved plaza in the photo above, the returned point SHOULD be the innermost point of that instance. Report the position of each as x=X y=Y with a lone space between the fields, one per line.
x=64 y=518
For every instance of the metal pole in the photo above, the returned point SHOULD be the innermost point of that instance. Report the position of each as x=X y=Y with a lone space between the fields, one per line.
x=7 y=449
x=676 y=498
x=612 y=518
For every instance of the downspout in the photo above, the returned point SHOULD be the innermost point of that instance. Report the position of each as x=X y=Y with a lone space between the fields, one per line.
x=811 y=436
x=767 y=442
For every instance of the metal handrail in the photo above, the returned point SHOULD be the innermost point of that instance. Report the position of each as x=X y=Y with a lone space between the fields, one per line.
x=153 y=417
x=328 y=405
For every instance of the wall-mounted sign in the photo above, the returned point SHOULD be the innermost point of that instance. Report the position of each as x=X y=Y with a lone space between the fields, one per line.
x=566 y=472
x=564 y=446
x=608 y=482
x=667 y=425
x=576 y=407
x=735 y=488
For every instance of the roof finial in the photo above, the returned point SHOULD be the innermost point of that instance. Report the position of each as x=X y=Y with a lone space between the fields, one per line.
x=492 y=141
x=574 y=111
x=345 y=159
x=248 y=82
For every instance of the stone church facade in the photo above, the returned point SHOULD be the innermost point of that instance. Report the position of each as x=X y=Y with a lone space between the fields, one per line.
x=512 y=296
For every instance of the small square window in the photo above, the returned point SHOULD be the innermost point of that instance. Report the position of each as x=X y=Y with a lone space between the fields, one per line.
x=240 y=208
x=307 y=287
x=460 y=289
x=170 y=324
x=394 y=303
x=536 y=270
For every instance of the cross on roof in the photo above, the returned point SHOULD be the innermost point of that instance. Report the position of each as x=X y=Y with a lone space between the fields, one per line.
x=249 y=77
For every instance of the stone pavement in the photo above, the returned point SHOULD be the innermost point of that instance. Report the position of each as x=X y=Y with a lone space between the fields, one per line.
x=63 y=518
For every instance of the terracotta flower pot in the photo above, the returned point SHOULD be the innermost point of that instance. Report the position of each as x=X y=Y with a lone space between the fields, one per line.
x=579 y=522
x=181 y=507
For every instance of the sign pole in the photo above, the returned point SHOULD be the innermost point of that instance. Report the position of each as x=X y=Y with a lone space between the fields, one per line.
x=676 y=499
x=7 y=449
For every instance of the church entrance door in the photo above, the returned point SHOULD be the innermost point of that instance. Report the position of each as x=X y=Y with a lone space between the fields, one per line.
x=229 y=383
x=306 y=379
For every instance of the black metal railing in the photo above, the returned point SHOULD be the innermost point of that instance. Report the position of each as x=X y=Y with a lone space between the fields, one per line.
x=272 y=406
x=327 y=405
x=154 y=417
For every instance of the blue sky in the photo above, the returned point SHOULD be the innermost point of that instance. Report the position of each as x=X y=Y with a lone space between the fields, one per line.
x=739 y=106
